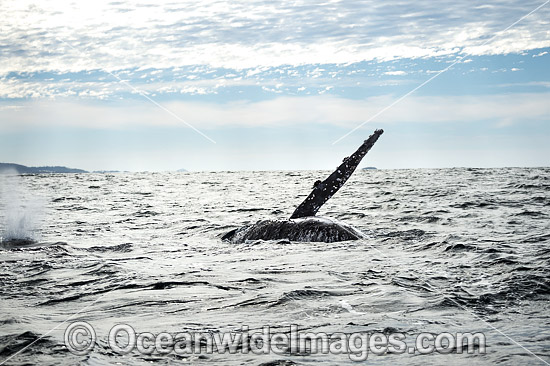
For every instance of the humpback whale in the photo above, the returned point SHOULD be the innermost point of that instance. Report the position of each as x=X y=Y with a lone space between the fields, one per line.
x=303 y=225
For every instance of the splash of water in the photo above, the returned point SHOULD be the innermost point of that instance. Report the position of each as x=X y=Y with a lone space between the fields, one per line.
x=20 y=211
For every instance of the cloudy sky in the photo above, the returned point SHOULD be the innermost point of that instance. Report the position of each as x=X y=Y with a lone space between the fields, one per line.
x=229 y=85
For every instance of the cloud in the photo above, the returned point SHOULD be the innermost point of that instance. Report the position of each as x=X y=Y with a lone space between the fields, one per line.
x=542 y=84
x=69 y=36
x=280 y=112
x=192 y=81
x=396 y=73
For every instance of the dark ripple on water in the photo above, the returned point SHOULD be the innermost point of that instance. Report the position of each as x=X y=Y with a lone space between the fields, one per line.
x=447 y=250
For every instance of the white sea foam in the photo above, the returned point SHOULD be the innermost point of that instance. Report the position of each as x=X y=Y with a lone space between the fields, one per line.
x=20 y=211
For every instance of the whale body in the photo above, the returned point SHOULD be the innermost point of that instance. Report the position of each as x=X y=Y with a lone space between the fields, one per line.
x=307 y=229
x=303 y=225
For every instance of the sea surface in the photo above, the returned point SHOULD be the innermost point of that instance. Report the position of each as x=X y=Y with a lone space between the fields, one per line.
x=446 y=250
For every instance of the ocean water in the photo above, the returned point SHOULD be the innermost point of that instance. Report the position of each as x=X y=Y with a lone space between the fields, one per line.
x=446 y=250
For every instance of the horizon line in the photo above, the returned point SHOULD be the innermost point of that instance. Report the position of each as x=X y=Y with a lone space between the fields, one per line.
x=118 y=171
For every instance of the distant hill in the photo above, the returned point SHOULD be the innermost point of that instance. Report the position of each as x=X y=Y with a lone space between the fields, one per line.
x=181 y=170
x=369 y=168
x=22 y=169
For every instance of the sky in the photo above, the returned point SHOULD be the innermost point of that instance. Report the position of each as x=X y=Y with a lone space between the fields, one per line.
x=264 y=85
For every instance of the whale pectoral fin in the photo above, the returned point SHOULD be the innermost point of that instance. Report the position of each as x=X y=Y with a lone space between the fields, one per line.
x=324 y=190
x=229 y=235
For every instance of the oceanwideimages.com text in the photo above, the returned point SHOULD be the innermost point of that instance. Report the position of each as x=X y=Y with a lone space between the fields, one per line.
x=80 y=338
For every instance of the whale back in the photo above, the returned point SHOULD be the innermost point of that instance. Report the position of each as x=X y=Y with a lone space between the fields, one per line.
x=303 y=225
x=309 y=229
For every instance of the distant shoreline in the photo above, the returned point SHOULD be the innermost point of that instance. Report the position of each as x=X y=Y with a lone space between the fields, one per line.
x=23 y=169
